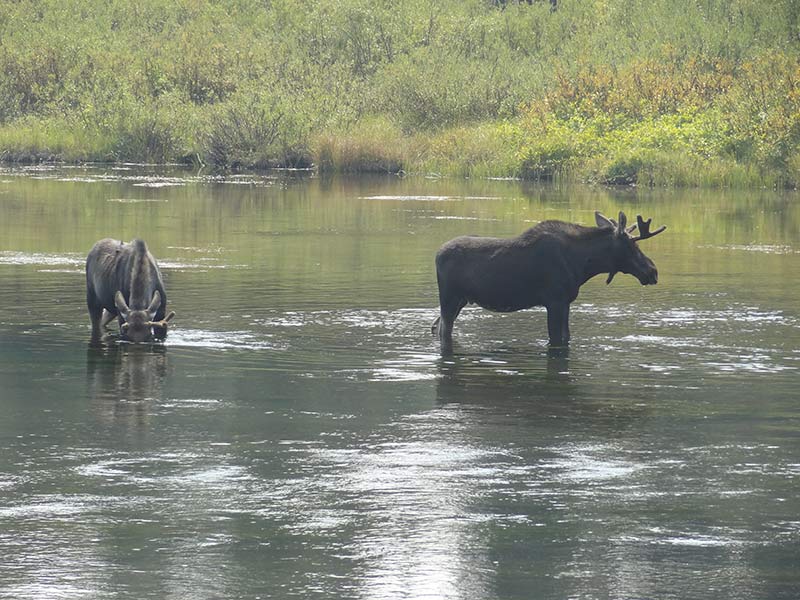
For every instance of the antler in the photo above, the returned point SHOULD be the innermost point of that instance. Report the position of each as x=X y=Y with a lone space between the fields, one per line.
x=644 y=229
x=163 y=322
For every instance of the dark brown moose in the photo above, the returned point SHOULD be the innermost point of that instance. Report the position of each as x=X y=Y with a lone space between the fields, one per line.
x=544 y=266
x=124 y=280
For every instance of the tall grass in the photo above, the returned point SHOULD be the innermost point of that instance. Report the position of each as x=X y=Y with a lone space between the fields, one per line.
x=685 y=92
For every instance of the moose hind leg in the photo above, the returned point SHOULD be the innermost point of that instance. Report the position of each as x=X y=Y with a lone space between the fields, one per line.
x=435 y=325
x=447 y=316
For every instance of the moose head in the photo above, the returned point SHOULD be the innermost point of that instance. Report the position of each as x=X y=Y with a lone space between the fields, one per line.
x=626 y=255
x=137 y=324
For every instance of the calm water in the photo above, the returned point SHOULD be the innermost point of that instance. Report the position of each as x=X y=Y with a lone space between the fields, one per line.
x=299 y=434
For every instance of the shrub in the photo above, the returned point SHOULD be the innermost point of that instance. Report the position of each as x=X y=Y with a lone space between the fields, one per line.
x=763 y=111
x=372 y=145
x=613 y=91
x=546 y=159
x=485 y=150
x=35 y=139
x=433 y=90
x=146 y=134
x=253 y=130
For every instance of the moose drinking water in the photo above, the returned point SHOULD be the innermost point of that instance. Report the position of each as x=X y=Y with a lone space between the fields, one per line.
x=124 y=280
x=544 y=266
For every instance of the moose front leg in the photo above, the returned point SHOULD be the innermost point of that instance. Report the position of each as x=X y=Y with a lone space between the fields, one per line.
x=95 y=315
x=558 y=324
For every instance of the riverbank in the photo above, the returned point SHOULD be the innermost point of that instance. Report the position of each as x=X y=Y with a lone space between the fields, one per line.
x=609 y=92
x=656 y=153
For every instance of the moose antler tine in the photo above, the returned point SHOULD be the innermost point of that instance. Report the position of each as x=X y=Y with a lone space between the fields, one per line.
x=163 y=323
x=644 y=229
x=622 y=224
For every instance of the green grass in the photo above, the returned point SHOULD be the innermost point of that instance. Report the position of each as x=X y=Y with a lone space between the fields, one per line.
x=686 y=93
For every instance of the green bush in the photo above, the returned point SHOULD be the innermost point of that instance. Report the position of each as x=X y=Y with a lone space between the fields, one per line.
x=148 y=134
x=253 y=130
x=370 y=146
x=546 y=159
x=434 y=91
x=619 y=91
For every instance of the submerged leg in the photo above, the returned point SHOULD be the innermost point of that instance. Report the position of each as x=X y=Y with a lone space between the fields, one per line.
x=95 y=315
x=558 y=324
x=445 y=331
x=435 y=325
x=447 y=316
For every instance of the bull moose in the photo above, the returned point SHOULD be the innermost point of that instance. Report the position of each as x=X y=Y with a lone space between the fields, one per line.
x=124 y=280
x=543 y=266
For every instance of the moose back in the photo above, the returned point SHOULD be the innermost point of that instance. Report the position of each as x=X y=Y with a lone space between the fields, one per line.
x=544 y=266
x=125 y=281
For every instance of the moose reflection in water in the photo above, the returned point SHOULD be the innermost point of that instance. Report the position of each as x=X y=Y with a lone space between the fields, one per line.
x=541 y=375
x=124 y=281
x=544 y=266
x=123 y=379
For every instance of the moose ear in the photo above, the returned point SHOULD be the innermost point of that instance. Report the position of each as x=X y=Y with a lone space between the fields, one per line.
x=154 y=304
x=122 y=307
x=623 y=221
x=603 y=221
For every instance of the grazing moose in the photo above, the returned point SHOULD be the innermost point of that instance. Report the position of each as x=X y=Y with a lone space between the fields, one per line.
x=544 y=266
x=124 y=280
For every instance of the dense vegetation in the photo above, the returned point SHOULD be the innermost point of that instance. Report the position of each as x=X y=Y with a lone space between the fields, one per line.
x=679 y=92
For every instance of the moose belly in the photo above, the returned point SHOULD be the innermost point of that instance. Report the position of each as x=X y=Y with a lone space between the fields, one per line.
x=502 y=291
x=506 y=300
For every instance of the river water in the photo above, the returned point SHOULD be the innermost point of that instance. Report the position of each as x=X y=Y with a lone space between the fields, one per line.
x=300 y=435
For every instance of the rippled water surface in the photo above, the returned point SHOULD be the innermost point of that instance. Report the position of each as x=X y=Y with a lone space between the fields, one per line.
x=299 y=434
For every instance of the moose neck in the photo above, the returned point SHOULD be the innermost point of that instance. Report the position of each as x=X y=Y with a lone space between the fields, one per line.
x=593 y=254
x=140 y=275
